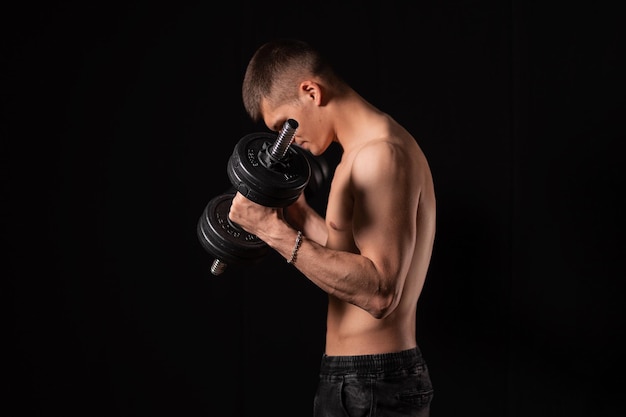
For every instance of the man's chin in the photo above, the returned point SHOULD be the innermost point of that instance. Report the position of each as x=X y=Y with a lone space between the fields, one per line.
x=311 y=151
x=302 y=145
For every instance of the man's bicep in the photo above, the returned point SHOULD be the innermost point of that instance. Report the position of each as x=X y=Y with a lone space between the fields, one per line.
x=384 y=220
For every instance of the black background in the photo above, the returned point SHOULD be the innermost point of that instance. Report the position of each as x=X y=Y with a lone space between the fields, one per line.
x=117 y=122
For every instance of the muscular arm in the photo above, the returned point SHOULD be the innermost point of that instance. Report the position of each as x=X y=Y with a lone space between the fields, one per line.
x=383 y=227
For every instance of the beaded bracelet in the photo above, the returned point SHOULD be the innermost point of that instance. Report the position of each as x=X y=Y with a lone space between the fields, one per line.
x=294 y=252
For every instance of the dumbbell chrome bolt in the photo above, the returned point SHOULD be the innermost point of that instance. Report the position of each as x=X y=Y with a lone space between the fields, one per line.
x=284 y=139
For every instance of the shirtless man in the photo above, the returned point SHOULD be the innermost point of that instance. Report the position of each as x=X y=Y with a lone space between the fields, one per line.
x=372 y=251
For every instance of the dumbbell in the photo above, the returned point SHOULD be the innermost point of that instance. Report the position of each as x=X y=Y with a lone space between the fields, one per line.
x=266 y=169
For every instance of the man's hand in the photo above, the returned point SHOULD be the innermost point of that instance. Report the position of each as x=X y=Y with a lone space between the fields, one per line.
x=252 y=217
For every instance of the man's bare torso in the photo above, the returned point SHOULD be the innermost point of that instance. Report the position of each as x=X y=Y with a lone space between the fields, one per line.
x=351 y=330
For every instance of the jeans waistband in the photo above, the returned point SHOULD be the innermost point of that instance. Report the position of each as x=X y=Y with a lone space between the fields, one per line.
x=380 y=361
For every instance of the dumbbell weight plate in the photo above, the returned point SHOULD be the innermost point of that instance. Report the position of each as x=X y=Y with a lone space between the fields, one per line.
x=278 y=185
x=225 y=240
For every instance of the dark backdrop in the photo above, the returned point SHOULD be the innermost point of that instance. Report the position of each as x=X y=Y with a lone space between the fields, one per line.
x=117 y=122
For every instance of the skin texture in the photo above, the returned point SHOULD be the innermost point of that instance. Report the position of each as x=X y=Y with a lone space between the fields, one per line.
x=371 y=252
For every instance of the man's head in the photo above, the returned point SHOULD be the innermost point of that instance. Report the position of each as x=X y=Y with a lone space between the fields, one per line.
x=275 y=72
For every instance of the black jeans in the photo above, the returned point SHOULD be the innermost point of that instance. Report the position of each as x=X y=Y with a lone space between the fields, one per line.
x=383 y=385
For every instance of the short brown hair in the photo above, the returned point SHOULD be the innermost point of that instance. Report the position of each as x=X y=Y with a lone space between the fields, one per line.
x=276 y=69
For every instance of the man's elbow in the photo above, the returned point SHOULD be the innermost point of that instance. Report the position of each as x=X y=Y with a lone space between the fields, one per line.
x=386 y=294
x=383 y=305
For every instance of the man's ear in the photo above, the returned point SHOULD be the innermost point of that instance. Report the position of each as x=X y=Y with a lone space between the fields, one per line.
x=310 y=90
